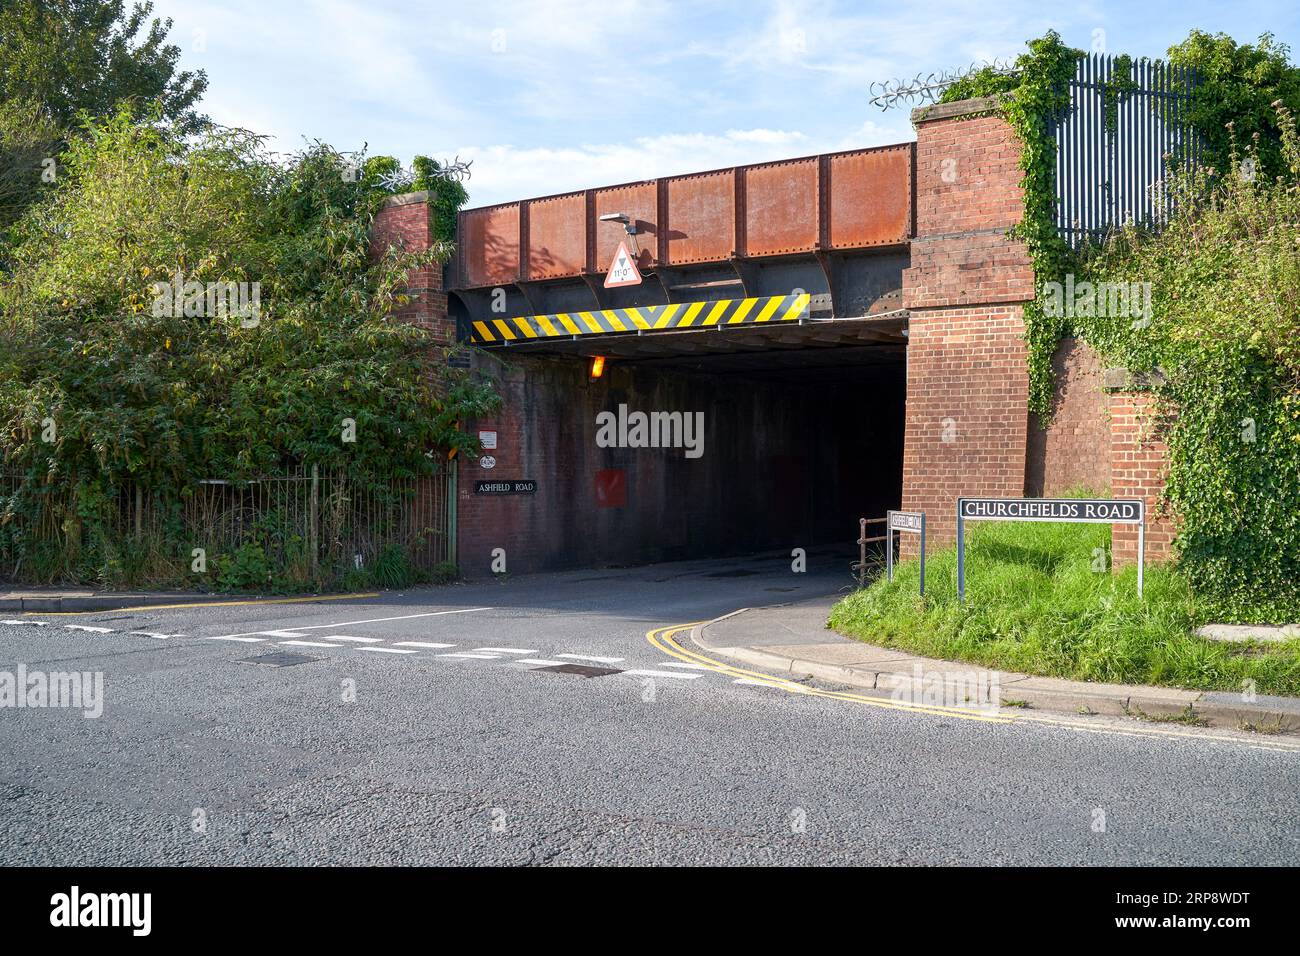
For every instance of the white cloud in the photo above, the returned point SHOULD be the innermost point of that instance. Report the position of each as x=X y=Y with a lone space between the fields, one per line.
x=504 y=172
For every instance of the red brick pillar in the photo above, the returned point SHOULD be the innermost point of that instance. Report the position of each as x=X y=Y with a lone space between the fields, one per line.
x=406 y=222
x=967 y=382
x=1139 y=463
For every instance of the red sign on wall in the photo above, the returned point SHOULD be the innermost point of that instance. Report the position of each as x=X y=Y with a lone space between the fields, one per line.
x=611 y=488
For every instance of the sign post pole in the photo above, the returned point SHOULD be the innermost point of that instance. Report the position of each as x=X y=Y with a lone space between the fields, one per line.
x=889 y=545
x=922 y=553
x=1142 y=547
x=961 y=554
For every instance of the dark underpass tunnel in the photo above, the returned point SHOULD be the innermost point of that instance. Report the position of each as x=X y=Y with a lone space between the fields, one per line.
x=795 y=447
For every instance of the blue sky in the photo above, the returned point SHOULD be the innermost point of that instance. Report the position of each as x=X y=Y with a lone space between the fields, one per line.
x=552 y=96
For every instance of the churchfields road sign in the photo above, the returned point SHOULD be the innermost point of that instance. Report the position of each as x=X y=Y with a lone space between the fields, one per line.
x=1074 y=510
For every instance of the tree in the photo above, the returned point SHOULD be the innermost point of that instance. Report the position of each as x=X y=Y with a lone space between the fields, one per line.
x=74 y=56
x=62 y=59
x=1238 y=85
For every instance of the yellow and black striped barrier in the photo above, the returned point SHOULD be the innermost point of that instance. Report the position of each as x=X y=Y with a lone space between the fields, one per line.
x=648 y=318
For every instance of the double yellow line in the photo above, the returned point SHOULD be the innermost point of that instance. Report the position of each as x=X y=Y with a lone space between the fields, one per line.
x=664 y=639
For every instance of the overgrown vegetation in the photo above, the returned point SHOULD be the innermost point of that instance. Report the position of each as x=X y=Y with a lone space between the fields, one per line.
x=1225 y=281
x=1039 y=600
x=1225 y=277
x=101 y=389
x=121 y=209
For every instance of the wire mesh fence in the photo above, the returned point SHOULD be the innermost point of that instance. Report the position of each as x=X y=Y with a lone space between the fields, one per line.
x=310 y=525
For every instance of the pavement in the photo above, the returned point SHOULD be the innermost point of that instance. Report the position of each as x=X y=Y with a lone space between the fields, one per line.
x=793 y=639
x=569 y=719
x=65 y=600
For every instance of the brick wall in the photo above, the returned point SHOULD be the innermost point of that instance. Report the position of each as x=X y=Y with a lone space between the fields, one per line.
x=1074 y=450
x=967 y=386
x=405 y=222
x=1139 y=464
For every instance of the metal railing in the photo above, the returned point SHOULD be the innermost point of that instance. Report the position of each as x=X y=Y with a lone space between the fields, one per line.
x=1117 y=142
x=312 y=523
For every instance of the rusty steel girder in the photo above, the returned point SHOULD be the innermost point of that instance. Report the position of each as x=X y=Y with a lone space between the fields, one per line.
x=859 y=199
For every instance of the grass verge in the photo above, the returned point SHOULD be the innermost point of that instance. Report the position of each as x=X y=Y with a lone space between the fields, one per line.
x=1035 y=604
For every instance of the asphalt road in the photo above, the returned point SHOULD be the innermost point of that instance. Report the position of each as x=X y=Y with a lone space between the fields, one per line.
x=383 y=748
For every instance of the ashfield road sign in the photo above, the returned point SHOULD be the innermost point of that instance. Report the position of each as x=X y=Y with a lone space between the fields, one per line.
x=912 y=522
x=516 y=486
x=1073 y=510
x=623 y=270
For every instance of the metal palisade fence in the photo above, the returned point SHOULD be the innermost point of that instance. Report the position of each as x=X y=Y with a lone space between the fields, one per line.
x=1126 y=127
x=309 y=524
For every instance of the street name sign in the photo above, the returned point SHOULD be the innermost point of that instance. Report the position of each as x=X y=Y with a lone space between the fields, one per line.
x=910 y=522
x=1071 y=510
x=515 y=486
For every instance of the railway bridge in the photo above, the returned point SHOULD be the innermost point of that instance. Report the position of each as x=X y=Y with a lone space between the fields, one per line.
x=846 y=328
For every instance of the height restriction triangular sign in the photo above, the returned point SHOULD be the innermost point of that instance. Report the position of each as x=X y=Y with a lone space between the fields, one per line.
x=623 y=270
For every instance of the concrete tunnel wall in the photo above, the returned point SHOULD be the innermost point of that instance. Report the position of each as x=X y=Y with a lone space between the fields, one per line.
x=783 y=466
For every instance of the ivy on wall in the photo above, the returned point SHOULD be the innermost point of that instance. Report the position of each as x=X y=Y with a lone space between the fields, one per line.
x=1223 y=326
x=1031 y=99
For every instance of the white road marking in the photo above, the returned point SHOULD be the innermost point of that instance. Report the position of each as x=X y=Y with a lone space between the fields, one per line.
x=588 y=657
x=537 y=661
x=161 y=637
x=357 y=640
x=289 y=633
x=506 y=650
x=236 y=637
x=386 y=650
x=88 y=627
x=373 y=620
x=652 y=673
x=403 y=617
x=25 y=623
x=477 y=657
x=427 y=644
x=308 y=644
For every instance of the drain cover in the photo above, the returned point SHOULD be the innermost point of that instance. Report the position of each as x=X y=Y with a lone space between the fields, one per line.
x=582 y=670
x=282 y=659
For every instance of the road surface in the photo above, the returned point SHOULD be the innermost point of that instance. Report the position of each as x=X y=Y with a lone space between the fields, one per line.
x=433 y=727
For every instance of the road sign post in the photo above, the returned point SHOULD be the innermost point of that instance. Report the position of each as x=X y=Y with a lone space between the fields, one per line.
x=1070 y=510
x=912 y=522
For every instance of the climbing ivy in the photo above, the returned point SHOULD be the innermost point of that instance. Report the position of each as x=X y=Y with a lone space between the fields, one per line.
x=1222 y=337
x=1031 y=99
x=1120 y=84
